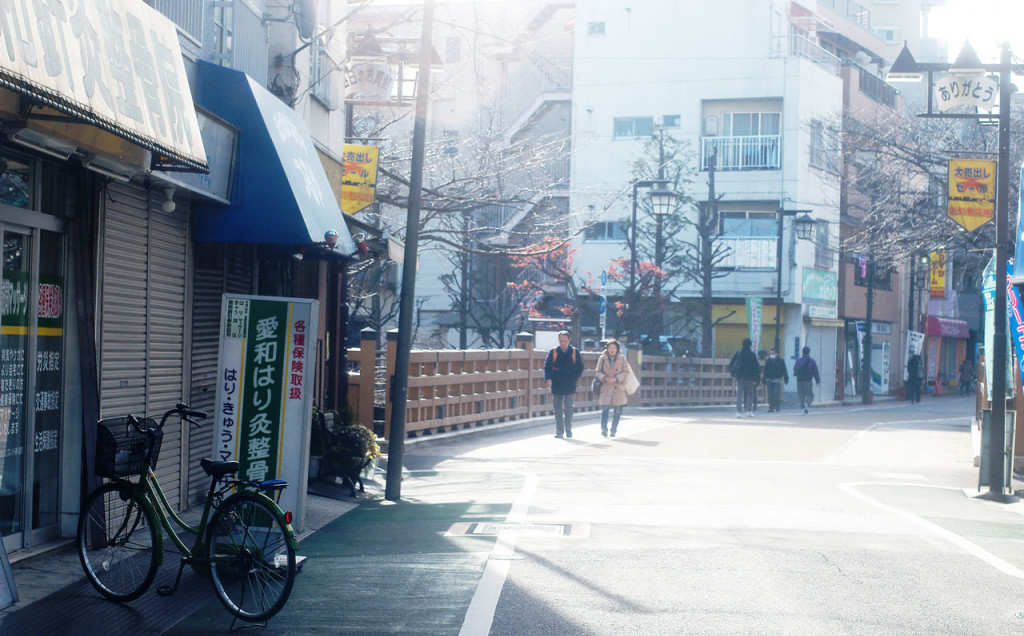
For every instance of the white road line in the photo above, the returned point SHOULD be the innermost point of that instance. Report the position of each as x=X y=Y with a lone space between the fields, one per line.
x=955 y=539
x=481 y=610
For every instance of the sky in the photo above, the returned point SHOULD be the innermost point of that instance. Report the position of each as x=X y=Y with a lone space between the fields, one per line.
x=985 y=22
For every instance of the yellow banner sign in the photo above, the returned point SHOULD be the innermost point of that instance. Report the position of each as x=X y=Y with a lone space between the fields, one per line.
x=972 y=192
x=937 y=285
x=359 y=177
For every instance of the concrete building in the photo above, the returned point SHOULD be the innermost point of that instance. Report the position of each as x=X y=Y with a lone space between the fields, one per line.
x=758 y=97
x=132 y=200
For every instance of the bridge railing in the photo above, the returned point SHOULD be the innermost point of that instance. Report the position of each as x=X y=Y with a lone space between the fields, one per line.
x=459 y=389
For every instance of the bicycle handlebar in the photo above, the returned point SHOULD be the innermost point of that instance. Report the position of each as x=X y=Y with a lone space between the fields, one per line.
x=180 y=409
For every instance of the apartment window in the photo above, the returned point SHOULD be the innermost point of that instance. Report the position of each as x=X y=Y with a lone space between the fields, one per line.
x=822 y=247
x=633 y=126
x=670 y=121
x=451 y=143
x=888 y=34
x=595 y=28
x=320 y=67
x=747 y=224
x=606 y=231
x=223 y=18
x=452 y=49
x=819 y=157
x=883 y=275
x=751 y=124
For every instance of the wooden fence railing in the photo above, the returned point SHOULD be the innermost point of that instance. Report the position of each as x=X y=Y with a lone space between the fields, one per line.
x=458 y=389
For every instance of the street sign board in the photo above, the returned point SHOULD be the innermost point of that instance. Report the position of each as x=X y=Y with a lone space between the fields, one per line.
x=974 y=89
x=604 y=277
x=972 y=192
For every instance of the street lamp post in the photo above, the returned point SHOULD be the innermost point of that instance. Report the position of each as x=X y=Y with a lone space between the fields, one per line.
x=804 y=226
x=662 y=199
x=968 y=66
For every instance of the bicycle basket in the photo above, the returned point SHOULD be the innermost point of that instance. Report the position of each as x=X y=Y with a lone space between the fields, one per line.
x=122 y=451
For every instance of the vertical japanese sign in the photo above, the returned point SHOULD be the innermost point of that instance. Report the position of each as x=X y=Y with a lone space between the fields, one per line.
x=972 y=192
x=359 y=177
x=264 y=390
x=913 y=346
x=937 y=280
x=880 y=368
x=754 y=320
x=1014 y=312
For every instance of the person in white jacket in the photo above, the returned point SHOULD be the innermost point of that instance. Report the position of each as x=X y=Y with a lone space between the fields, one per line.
x=613 y=371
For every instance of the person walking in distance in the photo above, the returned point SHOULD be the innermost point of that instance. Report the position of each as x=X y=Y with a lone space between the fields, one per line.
x=966 y=376
x=612 y=371
x=775 y=375
x=562 y=369
x=914 y=378
x=747 y=371
x=805 y=369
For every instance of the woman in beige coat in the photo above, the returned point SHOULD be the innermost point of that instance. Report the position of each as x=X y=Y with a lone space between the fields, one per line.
x=612 y=370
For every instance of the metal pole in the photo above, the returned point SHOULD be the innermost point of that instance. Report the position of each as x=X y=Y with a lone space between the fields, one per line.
x=778 y=282
x=997 y=444
x=866 y=395
x=399 y=395
x=632 y=263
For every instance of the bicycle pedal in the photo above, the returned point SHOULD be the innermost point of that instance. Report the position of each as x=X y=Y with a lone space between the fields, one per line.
x=165 y=590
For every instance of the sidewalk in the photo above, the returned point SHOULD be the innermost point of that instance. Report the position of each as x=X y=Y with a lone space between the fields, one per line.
x=55 y=597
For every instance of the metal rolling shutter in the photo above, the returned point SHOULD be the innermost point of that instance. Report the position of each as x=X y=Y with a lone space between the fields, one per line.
x=219 y=269
x=729 y=339
x=822 y=341
x=142 y=315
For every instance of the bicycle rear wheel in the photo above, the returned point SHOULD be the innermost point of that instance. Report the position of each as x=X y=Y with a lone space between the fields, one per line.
x=116 y=539
x=252 y=557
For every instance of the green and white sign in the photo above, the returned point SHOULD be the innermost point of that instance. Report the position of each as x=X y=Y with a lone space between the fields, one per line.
x=755 y=318
x=821 y=293
x=264 y=390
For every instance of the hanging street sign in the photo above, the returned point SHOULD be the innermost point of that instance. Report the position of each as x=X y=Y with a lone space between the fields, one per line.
x=974 y=89
x=971 y=199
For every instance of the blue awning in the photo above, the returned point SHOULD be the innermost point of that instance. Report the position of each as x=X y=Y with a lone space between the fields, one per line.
x=280 y=193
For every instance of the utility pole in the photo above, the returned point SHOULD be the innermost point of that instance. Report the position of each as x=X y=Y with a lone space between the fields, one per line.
x=866 y=394
x=708 y=221
x=400 y=387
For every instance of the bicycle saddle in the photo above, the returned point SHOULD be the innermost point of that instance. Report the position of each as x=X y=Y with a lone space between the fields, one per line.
x=218 y=469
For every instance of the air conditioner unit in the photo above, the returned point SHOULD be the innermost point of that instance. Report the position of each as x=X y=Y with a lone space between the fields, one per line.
x=711 y=126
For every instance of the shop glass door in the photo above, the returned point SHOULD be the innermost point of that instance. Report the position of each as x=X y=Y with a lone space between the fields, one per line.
x=14 y=340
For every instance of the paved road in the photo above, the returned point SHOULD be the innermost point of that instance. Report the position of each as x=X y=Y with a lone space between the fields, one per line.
x=846 y=521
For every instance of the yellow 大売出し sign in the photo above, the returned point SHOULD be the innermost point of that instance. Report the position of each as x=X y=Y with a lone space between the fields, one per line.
x=972 y=192
x=359 y=178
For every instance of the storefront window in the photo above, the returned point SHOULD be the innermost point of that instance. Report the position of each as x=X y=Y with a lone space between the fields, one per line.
x=15 y=181
x=14 y=295
x=49 y=363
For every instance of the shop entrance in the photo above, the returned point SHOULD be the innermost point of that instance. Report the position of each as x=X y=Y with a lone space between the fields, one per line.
x=32 y=296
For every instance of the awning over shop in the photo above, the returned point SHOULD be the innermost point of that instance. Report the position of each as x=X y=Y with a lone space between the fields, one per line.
x=115 y=65
x=280 y=194
x=947 y=327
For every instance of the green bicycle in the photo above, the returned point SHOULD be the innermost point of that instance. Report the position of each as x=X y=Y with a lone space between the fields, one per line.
x=244 y=540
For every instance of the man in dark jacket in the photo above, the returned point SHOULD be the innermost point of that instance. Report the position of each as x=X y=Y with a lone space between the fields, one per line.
x=775 y=375
x=805 y=369
x=562 y=368
x=914 y=378
x=747 y=371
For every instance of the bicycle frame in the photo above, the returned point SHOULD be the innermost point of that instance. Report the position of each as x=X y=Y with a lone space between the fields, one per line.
x=156 y=500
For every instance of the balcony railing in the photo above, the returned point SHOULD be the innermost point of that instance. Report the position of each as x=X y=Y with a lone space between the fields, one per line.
x=748 y=152
x=747 y=252
x=799 y=46
x=876 y=88
x=856 y=13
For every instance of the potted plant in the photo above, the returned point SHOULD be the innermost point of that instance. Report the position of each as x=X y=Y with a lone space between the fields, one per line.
x=350 y=450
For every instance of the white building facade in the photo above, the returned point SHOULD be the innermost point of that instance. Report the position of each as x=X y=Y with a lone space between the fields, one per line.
x=758 y=92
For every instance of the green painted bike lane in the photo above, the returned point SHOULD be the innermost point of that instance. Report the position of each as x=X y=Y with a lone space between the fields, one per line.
x=388 y=568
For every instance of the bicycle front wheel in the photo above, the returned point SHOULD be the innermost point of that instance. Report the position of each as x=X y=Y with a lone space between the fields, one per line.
x=116 y=539
x=252 y=557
